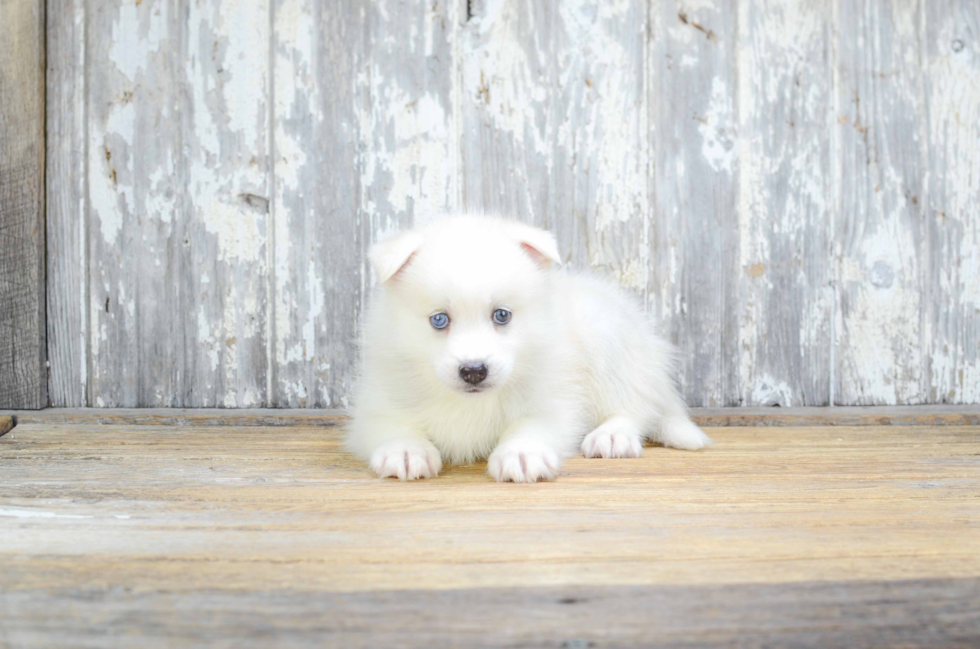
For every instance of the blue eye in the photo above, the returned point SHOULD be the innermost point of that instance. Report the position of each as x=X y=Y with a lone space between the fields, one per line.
x=501 y=316
x=439 y=321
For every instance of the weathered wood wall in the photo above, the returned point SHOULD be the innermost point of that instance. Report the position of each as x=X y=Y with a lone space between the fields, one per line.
x=792 y=186
x=23 y=383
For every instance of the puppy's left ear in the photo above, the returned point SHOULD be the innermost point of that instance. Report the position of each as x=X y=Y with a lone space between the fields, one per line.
x=388 y=257
x=539 y=244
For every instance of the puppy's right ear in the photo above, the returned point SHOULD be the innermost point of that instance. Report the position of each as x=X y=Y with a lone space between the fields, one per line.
x=391 y=255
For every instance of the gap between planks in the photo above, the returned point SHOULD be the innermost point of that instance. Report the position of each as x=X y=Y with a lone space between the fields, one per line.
x=939 y=415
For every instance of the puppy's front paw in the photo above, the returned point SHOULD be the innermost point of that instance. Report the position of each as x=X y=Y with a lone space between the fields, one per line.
x=682 y=433
x=523 y=460
x=407 y=460
x=617 y=437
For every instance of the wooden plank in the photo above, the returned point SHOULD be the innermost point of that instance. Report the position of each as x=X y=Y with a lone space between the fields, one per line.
x=881 y=226
x=840 y=416
x=23 y=375
x=133 y=201
x=554 y=126
x=912 y=613
x=695 y=240
x=785 y=192
x=178 y=189
x=951 y=277
x=713 y=417
x=313 y=69
x=67 y=261
x=195 y=417
x=224 y=245
x=363 y=101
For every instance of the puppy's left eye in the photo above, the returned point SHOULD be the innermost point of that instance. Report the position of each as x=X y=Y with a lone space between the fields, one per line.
x=439 y=321
x=501 y=316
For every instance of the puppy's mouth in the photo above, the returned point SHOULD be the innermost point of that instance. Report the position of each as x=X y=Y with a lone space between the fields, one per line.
x=476 y=389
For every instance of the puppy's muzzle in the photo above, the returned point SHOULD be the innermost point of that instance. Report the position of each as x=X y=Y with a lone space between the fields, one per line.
x=473 y=373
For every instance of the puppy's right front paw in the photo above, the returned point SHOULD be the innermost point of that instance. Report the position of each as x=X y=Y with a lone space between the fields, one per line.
x=406 y=460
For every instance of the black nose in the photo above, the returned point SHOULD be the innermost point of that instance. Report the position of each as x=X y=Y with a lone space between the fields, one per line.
x=473 y=372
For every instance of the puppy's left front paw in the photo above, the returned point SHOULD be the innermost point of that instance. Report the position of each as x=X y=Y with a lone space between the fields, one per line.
x=523 y=461
x=618 y=437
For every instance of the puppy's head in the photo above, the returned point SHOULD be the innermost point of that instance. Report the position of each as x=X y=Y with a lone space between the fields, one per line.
x=468 y=299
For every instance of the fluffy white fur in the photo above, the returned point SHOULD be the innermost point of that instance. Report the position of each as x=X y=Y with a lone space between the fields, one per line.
x=578 y=367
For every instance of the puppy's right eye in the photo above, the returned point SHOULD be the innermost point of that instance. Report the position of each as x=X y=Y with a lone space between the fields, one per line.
x=439 y=321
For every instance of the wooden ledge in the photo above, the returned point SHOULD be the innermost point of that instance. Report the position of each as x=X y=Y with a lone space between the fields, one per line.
x=840 y=416
x=707 y=417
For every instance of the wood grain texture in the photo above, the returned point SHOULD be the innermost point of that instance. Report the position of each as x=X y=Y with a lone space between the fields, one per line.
x=23 y=375
x=364 y=110
x=178 y=194
x=951 y=278
x=790 y=187
x=785 y=202
x=133 y=201
x=67 y=214
x=912 y=613
x=881 y=232
x=695 y=146
x=846 y=531
x=838 y=416
x=554 y=132
x=223 y=243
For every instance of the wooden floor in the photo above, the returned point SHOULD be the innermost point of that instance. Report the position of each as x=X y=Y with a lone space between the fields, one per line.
x=240 y=536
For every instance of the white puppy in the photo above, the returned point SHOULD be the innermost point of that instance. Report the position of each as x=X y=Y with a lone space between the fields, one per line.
x=475 y=348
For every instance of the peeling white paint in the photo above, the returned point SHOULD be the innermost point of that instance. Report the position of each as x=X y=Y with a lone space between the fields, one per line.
x=953 y=95
x=718 y=128
x=768 y=391
x=405 y=137
x=205 y=337
x=245 y=59
x=785 y=204
x=137 y=34
x=316 y=307
x=632 y=274
x=110 y=173
x=240 y=233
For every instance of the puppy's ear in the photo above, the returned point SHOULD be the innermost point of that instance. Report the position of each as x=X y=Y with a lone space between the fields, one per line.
x=539 y=244
x=391 y=255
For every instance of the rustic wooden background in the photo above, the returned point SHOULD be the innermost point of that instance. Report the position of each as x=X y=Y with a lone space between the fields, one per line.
x=792 y=187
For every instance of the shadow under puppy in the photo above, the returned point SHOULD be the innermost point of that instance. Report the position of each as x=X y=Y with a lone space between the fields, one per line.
x=476 y=347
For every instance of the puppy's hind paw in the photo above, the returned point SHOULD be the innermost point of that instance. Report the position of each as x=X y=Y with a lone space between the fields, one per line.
x=406 y=460
x=682 y=433
x=523 y=461
x=617 y=437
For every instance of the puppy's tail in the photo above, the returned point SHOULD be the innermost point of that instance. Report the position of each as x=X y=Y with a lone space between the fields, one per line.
x=676 y=428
